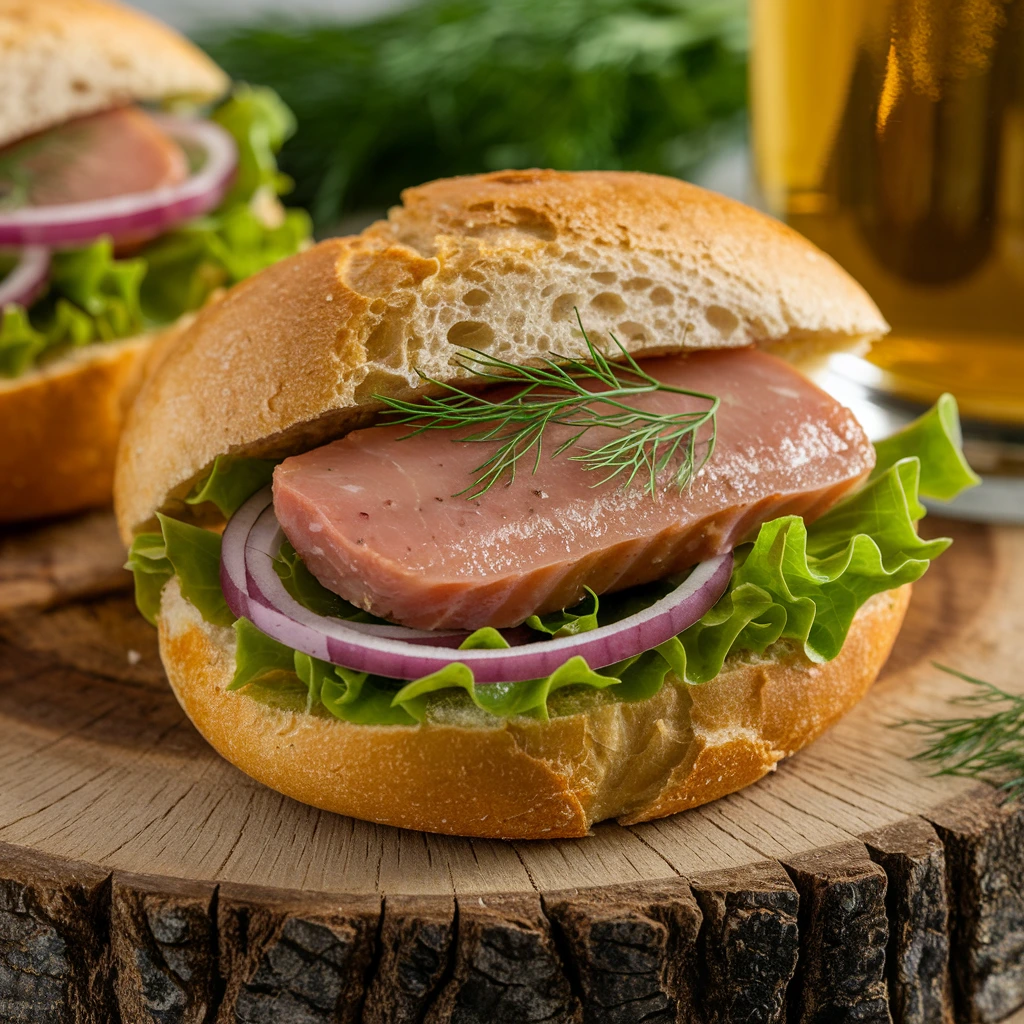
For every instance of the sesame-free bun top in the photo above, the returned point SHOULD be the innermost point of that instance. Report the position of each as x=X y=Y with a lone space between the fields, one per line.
x=294 y=356
x=66 y=58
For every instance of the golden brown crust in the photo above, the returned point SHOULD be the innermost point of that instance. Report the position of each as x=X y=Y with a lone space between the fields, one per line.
x=60 y=427
x=295 y=355
x=66 y=58
x=526 y=779
x=775 y=711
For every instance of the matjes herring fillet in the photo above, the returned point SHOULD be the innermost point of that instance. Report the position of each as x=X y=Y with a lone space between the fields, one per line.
x=109 y=154
x=374 y=518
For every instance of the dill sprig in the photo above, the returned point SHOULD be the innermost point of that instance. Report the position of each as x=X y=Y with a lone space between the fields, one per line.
x=984 y=746
x=557 y=393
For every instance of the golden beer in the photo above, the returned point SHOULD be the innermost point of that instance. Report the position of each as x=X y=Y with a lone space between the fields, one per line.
x=891 y=133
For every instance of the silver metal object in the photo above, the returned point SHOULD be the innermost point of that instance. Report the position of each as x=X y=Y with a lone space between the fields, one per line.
x=995 y=452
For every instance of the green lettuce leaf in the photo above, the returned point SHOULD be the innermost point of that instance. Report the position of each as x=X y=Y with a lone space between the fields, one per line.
x=231 y=482
x=501 y=699
x=793 y=586
x=188 y=552
x=149 y=564
x=249 y=231
x=795 y=583
x=91 y=297
x=640 y=678
x=804 y=584
x=569 y=621
x=94 y=296
x=104 y=288
x=20 y=343
x=936 y=440
x=194 y=554
x=275 y=672
x=357 y=697
x=260 y=123
x=189 y=263
x=302 y=585
x=259 y=658
x=485 y=639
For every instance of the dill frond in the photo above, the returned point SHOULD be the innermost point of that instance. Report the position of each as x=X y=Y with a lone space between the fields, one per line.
x=561 y=392
x=987 y=745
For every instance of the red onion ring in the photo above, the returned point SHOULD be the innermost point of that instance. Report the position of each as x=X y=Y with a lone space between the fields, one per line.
x=28 y=278
x=245 y=565
x=136 y=213
x=232 y=552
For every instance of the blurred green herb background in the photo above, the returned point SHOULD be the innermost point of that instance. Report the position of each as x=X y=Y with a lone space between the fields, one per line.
x=458 y=86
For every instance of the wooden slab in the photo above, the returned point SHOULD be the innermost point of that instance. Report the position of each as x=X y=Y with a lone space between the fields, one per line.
x=63 y=560
x=144 y=879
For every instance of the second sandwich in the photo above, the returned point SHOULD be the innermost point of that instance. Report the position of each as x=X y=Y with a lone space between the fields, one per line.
x=121 y=210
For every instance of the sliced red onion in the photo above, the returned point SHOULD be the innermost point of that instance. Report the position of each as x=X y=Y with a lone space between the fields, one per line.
x=28 y=278
x=247 y=566
x=232 y=552
x=136 y=213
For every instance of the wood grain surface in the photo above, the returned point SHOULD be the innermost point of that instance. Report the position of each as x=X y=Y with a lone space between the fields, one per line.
x=144 y=879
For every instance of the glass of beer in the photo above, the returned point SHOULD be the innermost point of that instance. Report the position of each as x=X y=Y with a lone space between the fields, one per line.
x=891 y=133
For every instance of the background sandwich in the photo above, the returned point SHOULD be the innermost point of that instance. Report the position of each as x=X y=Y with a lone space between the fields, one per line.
x=115 y=221
x=528 y=524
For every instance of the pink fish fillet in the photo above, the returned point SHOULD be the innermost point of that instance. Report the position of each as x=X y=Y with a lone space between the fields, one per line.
x=108 y=154
x=374 y=518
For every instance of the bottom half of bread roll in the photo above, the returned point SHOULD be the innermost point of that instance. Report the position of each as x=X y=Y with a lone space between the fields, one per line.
x=522 y=777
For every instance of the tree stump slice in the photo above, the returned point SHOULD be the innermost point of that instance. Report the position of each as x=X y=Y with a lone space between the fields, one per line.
x=917 y=907
x=143 y=879
x=749 y=942
x=844 y=932
x=633 y=950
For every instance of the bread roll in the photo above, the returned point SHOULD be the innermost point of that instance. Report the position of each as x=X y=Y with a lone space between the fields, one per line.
x=294 y=356
x=61 y=423
x=60 y=426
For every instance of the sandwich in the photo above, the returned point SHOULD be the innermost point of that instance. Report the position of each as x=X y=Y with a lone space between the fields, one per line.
x=517 y=512
x=122 y=209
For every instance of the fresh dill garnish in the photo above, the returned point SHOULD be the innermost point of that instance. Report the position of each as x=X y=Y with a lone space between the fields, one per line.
x=557 y=393
x=983 y=746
